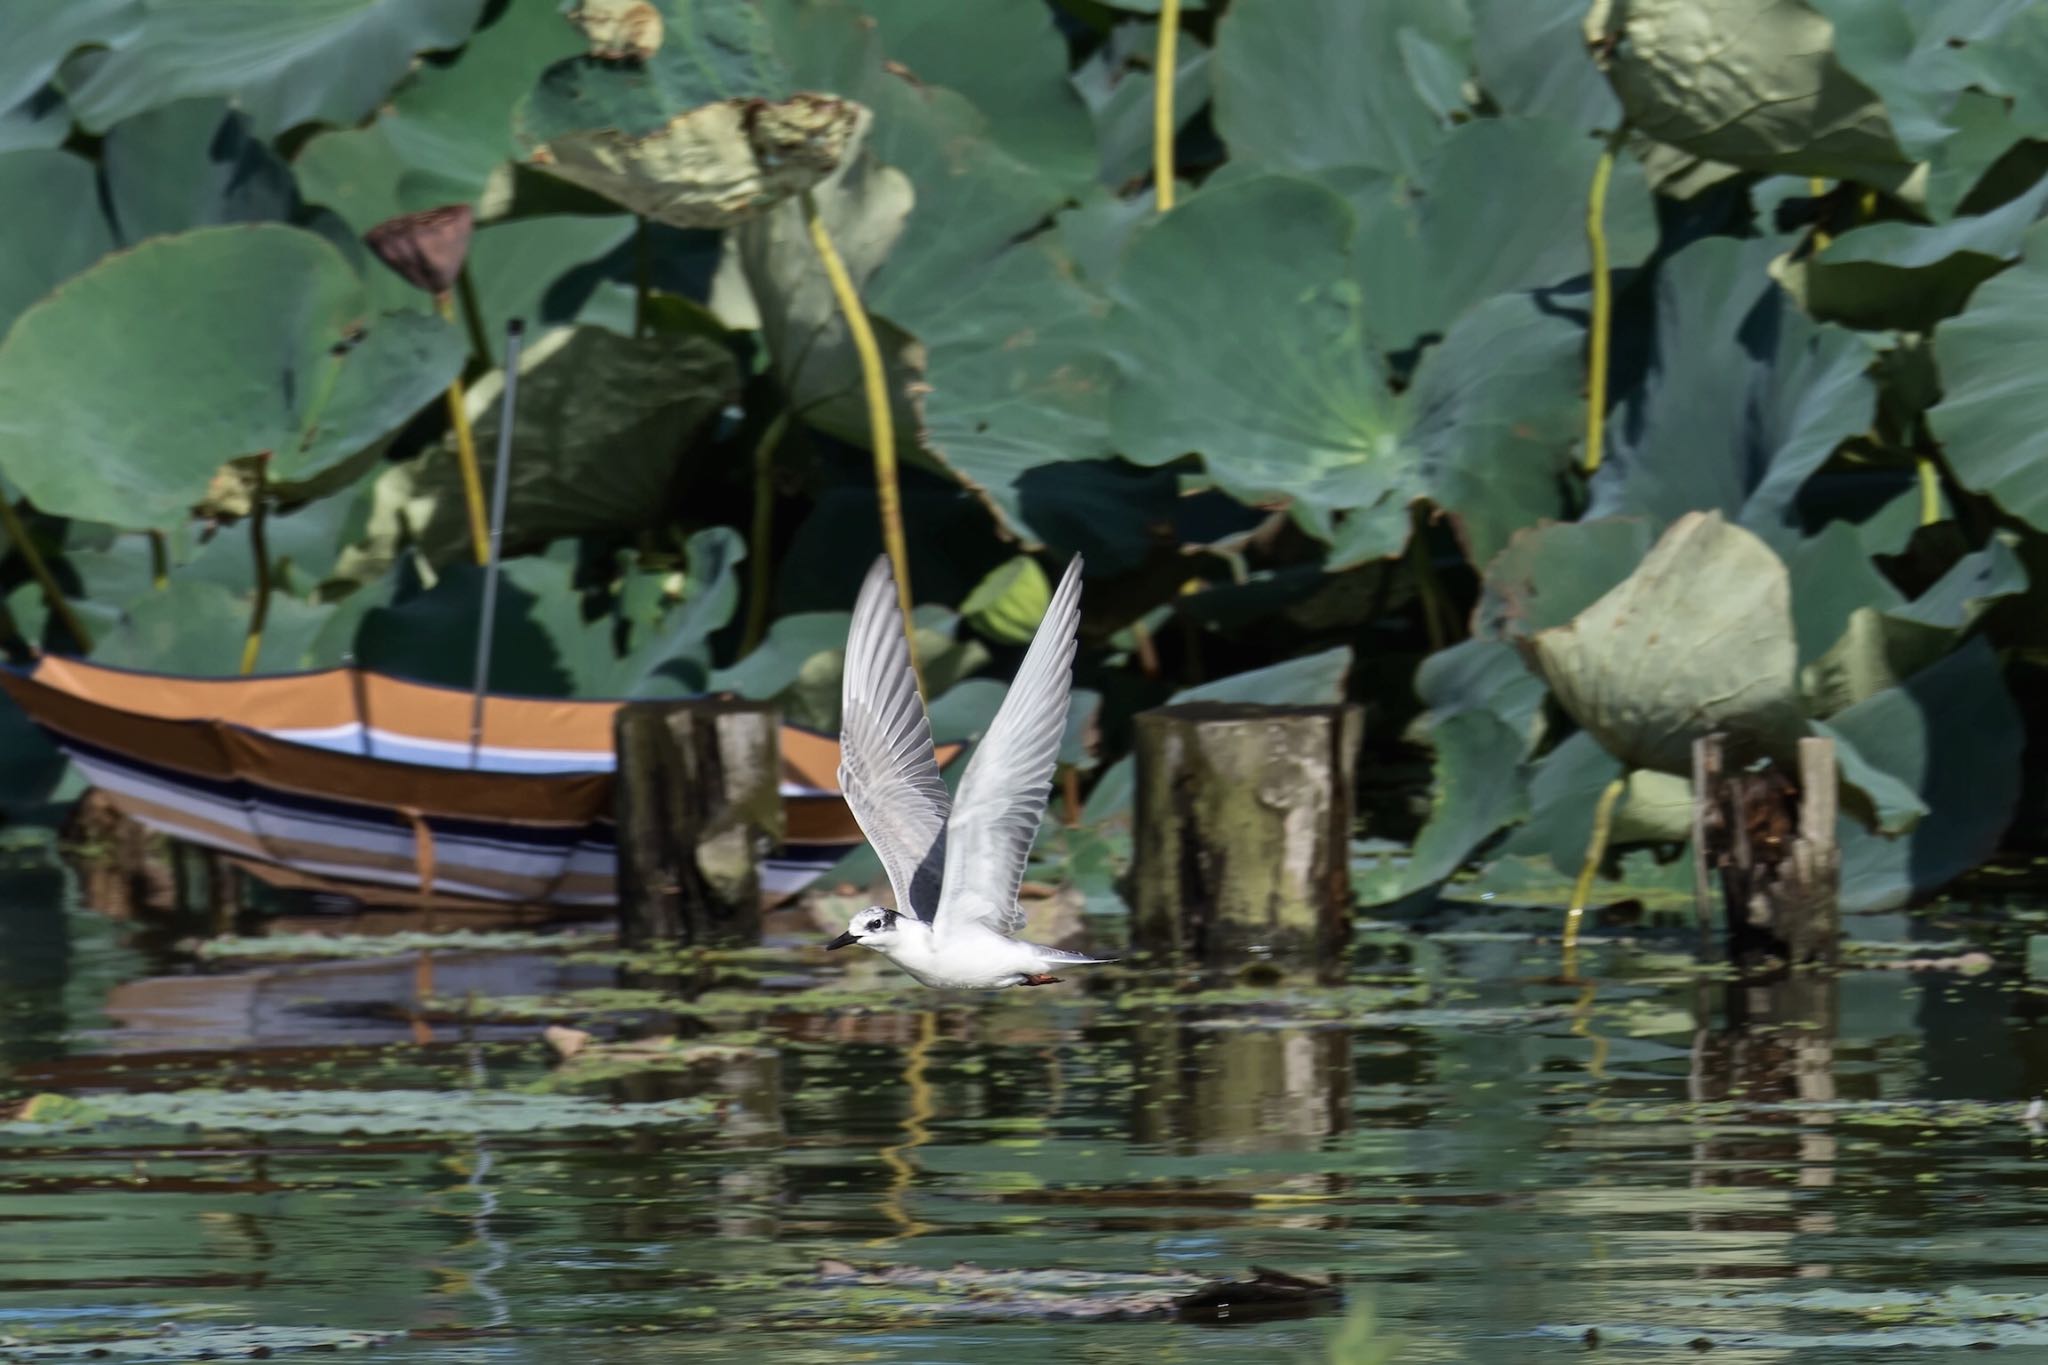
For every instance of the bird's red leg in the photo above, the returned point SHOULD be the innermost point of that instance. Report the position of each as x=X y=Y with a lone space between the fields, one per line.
x=1039 y=979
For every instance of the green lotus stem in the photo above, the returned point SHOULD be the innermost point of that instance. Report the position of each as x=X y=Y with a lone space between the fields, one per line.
x=1930 y=489
x=760 y=576
x=473 y=317
x=1596 y=849
x=881 y=418
x=465 y=451
x=1602 y=325
x=159 y=561
x=17 y=535
x=1164 y=65
x=259 y=546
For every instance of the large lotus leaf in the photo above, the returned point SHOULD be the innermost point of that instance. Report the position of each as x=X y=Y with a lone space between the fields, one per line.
x=1548 y=574
x=543 y=644
x=598 y=441
x=1745 y=397
x=446 y=131
x=1887 y=639
x=1323 y=83
x=1909 y=276
x=121 y=395
x=1498 y=416
x=1952 y=736
x=1238 y=333
x=55 y=225
x=1116 y=83
x=864 y=206
x=1698 y=640
x=41 y=120
x=1961 y=80
x=1474 y=791
x=1752 y=83
x=1503 y=207
x=330 y=61
x=197 y=628
x=41 y=35
x=537 y=269
x=1483 y=675
x=797 y=666
x=1532 y=59
x=188 y=164
x=1992 y=420
x=1011 y=61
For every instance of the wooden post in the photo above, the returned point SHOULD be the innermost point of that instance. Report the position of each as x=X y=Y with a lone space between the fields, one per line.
x=699 y=805
x=1243 y=833
x=1773 y=841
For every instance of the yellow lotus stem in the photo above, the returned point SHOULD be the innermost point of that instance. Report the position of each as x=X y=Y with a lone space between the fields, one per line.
x=915 y=1131
x=1164 y=65
x=259 y=546
x=1596 y=849
x=465 y=452
x=1603 y=304
x=17 y=535
x=1930 y=490
x=881 y=418
x=758 y=533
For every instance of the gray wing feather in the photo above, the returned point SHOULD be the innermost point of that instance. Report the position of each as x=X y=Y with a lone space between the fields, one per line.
x=887 y=770
x=1002 y=795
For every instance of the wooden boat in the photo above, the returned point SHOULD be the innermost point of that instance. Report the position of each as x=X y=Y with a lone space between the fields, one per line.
x=350 y=775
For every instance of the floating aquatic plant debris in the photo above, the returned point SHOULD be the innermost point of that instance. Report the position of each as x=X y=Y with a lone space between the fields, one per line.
x=374 y=1113
x=285 y=947
x=965 y=1290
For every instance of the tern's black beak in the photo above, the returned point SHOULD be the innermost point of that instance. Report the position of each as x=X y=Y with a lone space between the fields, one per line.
x=845 y=940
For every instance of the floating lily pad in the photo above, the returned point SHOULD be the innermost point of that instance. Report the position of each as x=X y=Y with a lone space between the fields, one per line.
x=367 y=1112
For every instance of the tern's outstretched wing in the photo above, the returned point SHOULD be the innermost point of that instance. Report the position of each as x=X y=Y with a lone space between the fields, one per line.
x=886 y=766
x=1002 y=795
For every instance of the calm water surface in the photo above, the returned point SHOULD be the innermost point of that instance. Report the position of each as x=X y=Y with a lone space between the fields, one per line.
x=1493 y=1158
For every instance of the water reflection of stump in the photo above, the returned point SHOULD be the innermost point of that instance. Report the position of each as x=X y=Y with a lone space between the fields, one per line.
x=1777 y=1047
x=1280 y=1089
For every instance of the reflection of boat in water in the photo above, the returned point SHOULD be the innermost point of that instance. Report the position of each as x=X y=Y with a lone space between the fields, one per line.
x=354 y=776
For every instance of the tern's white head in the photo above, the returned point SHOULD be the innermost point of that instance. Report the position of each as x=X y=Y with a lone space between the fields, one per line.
x=876 y=927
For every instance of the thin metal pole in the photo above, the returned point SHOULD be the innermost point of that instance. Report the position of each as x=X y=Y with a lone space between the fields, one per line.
x=515 y=331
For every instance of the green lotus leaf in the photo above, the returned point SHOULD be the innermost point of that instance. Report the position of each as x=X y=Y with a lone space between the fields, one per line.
x=1007 y=605
x=1484 y=675
x=1909 y=276
x=797 y=665
x=1697 y=641
x=1960 y=81
x=41 y=35
x=1549 y=573
x=40 y=121
x=1469 y=798
x=188 y=164
x=329 y=61
x=1751 y=83
x=1951 y=736
x=1531 y=58
x=1325 y=83
x=197 y=628
x=543 y=270
x=1011 y=62
x=543 y=644
x=446 y=131
x=598 y=442
x=121 y=395
x=1992 y=420
x=1745 y=397
x=1117 y=85
x=56 y=226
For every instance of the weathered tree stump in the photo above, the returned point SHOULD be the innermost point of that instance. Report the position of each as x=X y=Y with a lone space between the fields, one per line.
x=699 y=806
x=1772 y=840
x=1243 y=837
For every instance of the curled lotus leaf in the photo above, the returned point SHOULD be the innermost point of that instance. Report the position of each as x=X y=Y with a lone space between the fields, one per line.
x=711 y=166
x=1697 y=640
x=1752 y=83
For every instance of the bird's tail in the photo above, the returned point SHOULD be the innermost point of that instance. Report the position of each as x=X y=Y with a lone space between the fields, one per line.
x=1062 y=955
